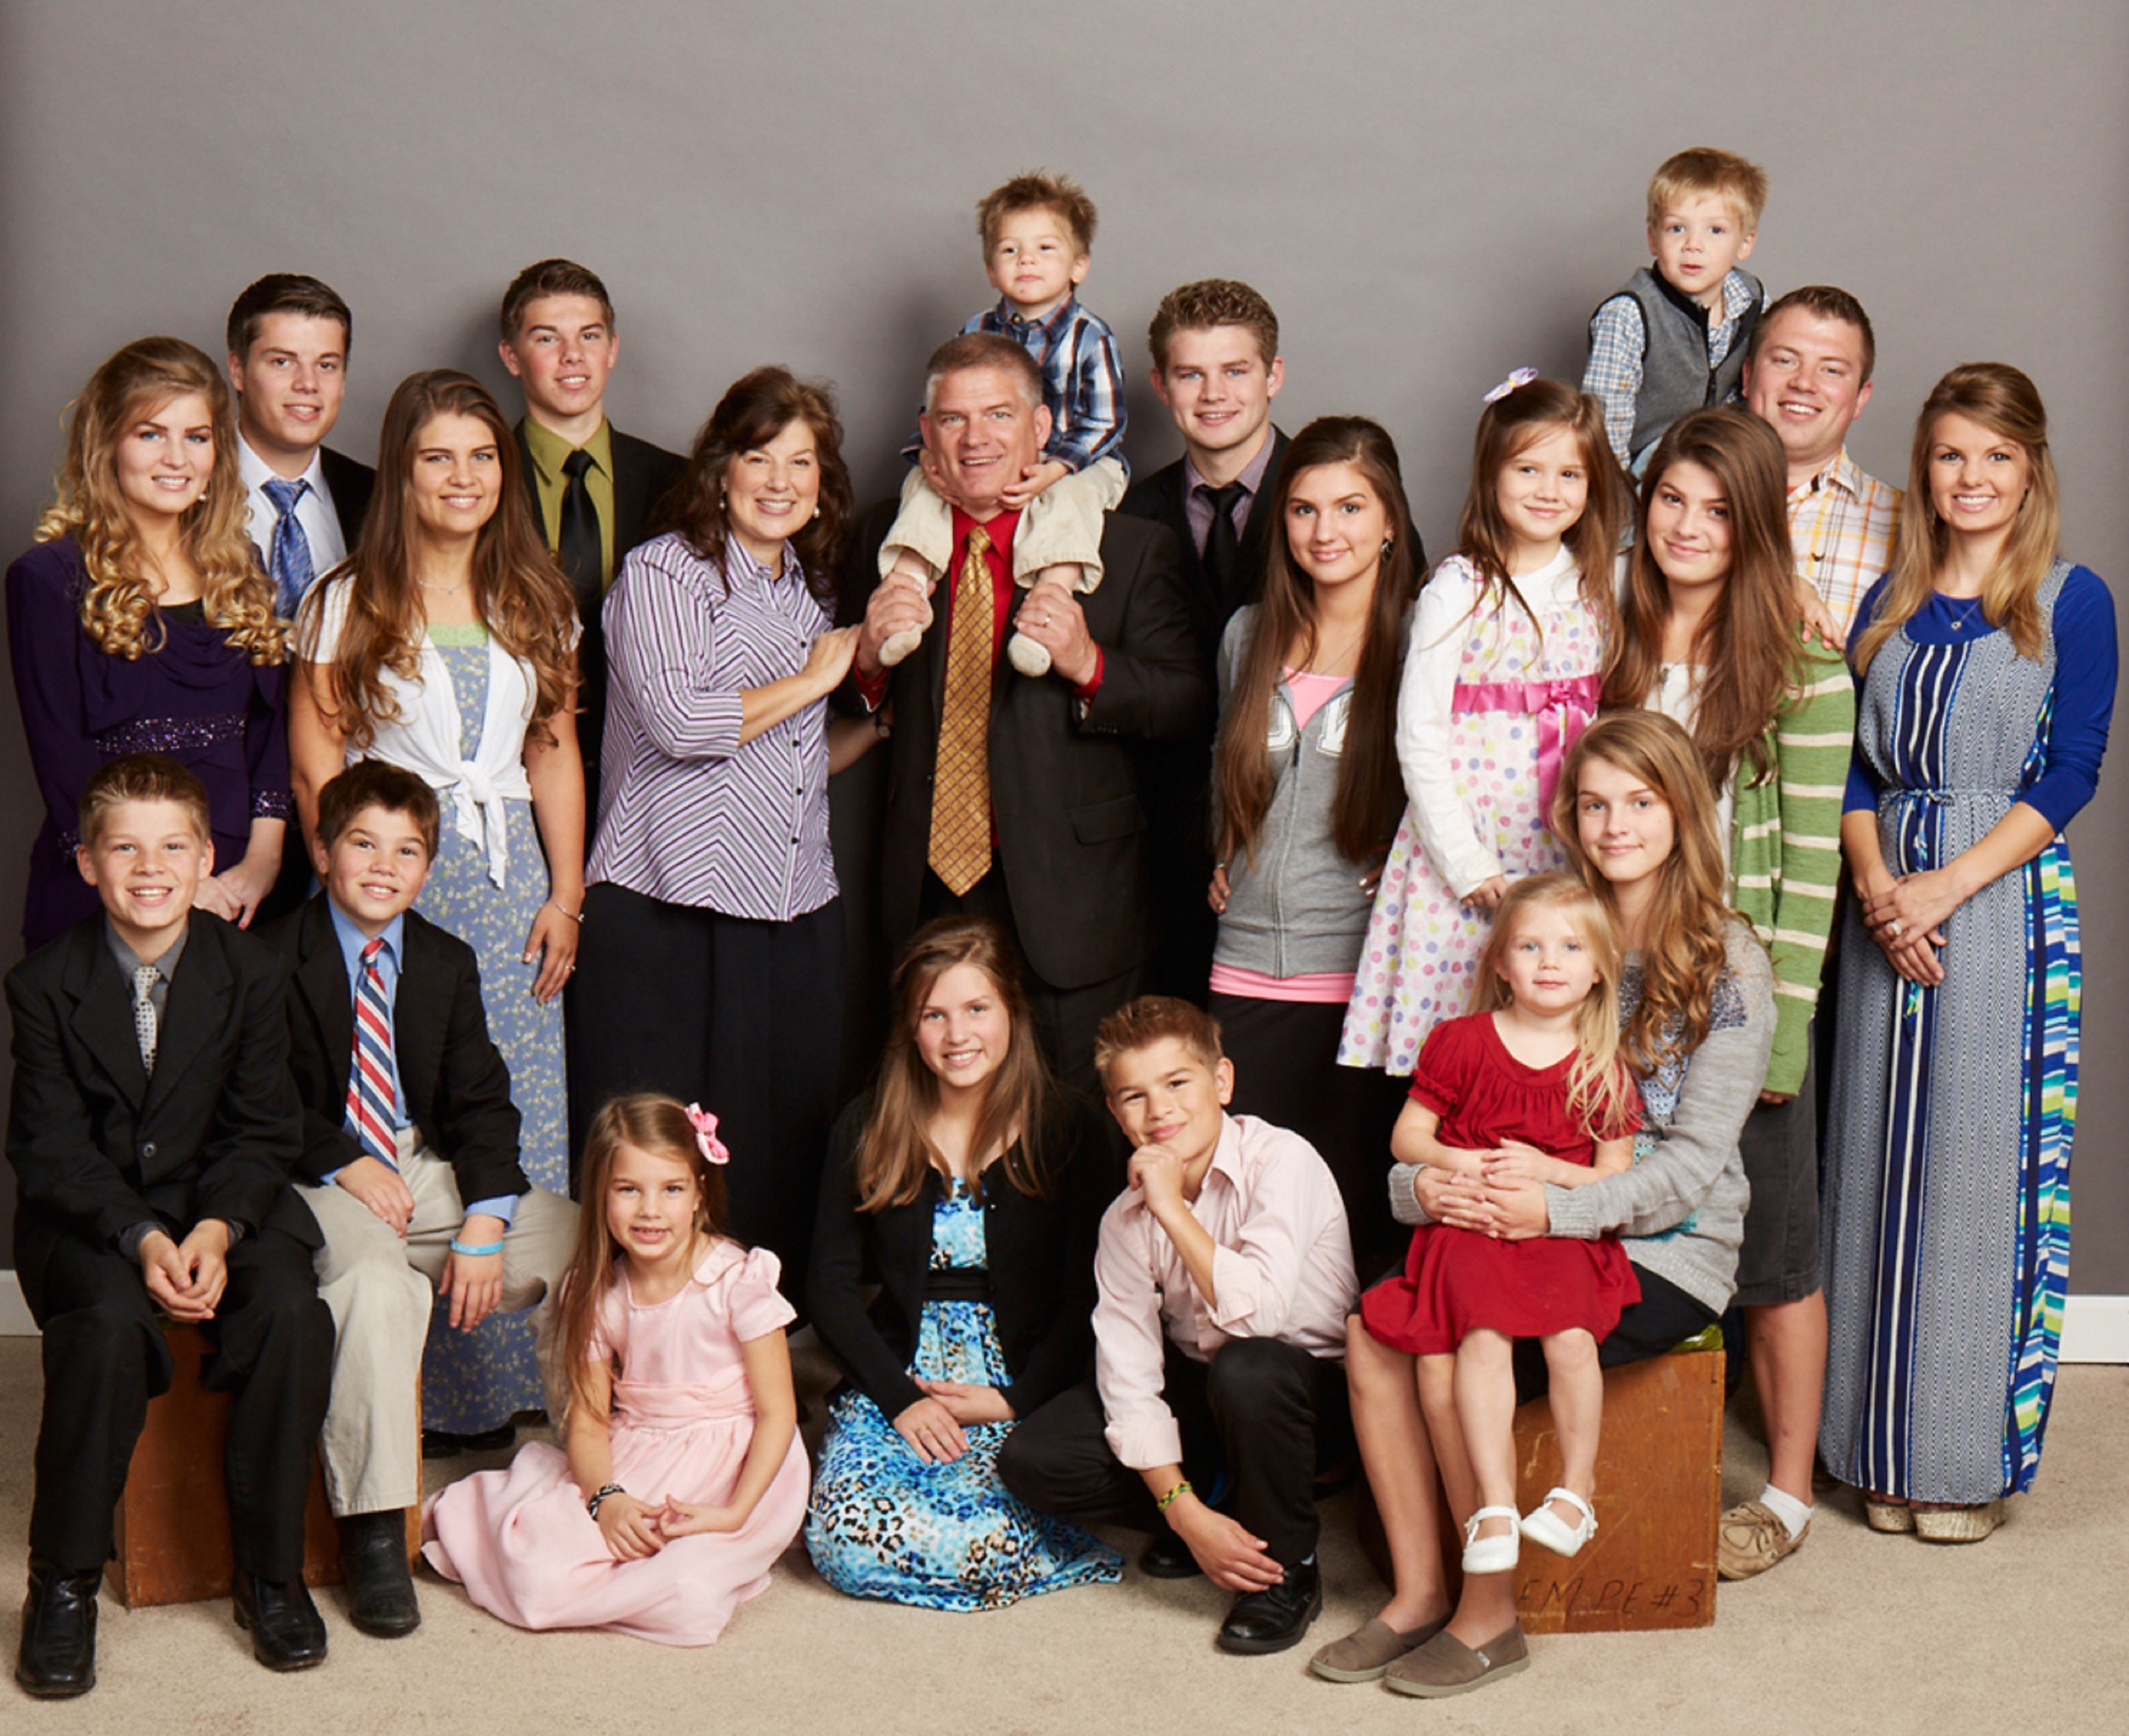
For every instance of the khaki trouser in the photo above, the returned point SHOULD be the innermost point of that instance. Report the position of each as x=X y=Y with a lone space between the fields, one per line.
x=381 y=1288
x=1062 y=524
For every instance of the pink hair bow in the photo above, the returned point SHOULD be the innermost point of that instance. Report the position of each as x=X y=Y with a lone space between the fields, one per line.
x=1520 y=377
x=705 y=1134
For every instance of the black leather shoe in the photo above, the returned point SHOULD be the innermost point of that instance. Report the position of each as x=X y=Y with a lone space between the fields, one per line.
x=380 y=1590
x=442 y=1443
x=1271 y=1621
x=58 y=1657
x=287 y=1631
x=1166 y=1556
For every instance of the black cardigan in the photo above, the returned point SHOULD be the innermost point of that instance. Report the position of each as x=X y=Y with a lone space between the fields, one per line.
x=1040 y=1253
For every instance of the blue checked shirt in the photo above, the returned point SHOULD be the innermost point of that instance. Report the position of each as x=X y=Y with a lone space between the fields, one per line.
x=1082 y=377
x=1617 y=341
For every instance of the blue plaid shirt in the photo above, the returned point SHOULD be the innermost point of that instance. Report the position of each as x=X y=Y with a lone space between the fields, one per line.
x=1082 y=377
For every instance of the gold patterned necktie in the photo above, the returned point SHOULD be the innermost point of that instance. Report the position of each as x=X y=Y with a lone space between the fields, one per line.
x=961 y=853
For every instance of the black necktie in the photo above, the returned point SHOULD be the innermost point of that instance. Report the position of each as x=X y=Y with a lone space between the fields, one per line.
x=577 y=545
x=1223 y=545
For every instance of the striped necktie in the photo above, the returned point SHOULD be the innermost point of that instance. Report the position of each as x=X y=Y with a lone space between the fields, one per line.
x=370 y=1092
x=290 y=560
x=960 y=847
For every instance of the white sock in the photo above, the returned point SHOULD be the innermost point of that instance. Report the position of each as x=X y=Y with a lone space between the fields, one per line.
x=1794 y=1514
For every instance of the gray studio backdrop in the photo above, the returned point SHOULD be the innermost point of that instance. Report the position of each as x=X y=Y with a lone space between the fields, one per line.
x=1429 y=193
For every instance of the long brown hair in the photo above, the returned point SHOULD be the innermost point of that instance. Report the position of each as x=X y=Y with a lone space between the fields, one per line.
x=118 y=604
x=2008 y=405
x=1748 y=646
x=1683 y=955
x=895 y=1152
x=1508 y=428
x=660 y=1126
x=1370 y=796
x=1597 y=1084
x=756 y=409
x=518 y=590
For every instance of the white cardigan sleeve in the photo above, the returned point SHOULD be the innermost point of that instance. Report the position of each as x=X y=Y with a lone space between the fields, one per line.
x=1432 y=663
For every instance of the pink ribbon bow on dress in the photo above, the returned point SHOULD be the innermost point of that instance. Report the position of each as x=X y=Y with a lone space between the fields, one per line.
x=1563 y=709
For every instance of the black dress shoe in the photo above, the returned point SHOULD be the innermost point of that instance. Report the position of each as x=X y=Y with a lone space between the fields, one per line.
x=373 y=1558
x=58 y=1657
x=1166 y=1556
x=442 y=1443
x=287 y=1631
x=1273 y=1619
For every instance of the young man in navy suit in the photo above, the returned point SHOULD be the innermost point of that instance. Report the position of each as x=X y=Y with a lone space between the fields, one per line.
x=152 y=1128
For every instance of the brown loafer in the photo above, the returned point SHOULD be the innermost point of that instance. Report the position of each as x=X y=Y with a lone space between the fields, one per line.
x=1369 y=1649
x=1957 y=1524
x=1444 y=1665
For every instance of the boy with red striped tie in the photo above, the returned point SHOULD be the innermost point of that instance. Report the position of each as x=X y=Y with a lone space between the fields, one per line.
x=409 y=1159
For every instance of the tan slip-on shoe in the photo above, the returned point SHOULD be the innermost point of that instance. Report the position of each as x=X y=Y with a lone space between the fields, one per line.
x=1957 y=1524
x=1752 y=1538
x=1369 y=1649
x=1892 y=1517
x=1444 y=1665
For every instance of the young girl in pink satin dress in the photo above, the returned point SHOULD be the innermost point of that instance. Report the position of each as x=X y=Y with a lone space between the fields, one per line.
x=1503 y=672
x=684 y=1478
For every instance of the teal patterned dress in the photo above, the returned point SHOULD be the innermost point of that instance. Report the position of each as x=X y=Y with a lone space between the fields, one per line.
x=477 y=1381
x=883 y=1524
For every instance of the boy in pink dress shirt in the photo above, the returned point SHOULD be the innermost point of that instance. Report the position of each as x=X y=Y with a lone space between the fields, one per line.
x=1225 y=1273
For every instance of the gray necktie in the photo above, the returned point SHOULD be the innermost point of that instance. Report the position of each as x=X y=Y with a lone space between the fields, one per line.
x=144 y=1014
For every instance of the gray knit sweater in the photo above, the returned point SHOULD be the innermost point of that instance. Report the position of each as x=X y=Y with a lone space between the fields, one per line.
x=1679 y=1211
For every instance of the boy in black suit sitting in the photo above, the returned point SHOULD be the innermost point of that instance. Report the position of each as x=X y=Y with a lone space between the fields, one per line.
x=152 y=1129
x=409 y=1157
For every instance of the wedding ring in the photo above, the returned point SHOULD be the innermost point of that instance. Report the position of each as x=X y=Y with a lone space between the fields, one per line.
x=1893 y=928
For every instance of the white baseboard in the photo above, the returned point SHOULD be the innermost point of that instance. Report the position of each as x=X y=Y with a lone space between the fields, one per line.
x=2095 y=1328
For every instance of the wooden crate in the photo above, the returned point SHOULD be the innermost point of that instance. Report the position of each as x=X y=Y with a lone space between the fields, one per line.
x=1658 y=1499
x=172 y=1521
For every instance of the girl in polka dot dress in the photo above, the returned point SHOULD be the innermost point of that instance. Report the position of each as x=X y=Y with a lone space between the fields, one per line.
x=1503 y=674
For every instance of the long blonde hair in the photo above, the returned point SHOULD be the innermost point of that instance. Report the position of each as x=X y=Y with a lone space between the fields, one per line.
x=660 y=1126
x=1599 y=1086
x=518 y=590
x=1683 y=955
x=2007 y=404
x=895 y=1152
x=118 y=608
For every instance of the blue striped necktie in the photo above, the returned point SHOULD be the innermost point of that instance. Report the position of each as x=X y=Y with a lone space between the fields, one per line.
x=370 y=1082
x=290 y=561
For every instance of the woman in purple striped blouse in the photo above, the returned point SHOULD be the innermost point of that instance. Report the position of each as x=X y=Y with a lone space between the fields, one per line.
x=715 y=968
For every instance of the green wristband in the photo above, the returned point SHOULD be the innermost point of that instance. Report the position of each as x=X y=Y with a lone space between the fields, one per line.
x=1181 y=1488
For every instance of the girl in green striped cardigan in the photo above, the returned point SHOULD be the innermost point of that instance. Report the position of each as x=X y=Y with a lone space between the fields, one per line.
x=1710 y=634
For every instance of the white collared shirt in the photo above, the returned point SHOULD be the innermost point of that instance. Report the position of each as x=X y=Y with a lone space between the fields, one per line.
x=314 y=511
x=1281 y=1268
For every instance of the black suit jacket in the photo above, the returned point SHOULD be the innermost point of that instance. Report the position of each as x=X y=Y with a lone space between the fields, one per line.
x=457 y=1088
x=1161 y=497
x=352 y=484
x=1065 y=789
x=643 y=476
x=98 y=1145
x=1040 y=1254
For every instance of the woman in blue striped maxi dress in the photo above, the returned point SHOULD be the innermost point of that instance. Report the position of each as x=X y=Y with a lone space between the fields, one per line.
x=713 y=970
x=1985 y=670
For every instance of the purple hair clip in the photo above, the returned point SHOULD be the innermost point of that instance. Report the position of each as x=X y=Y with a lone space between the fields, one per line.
x=1520 y=377
x=705 y=1134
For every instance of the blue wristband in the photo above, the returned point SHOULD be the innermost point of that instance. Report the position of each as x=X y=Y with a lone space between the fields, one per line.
x=459 y=1247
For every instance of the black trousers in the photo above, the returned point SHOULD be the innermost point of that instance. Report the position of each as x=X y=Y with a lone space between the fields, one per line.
x=743 y=1017
x=272 y=1342
x=1287 y=1073
x=1256 y=1412
x=1065 y=1019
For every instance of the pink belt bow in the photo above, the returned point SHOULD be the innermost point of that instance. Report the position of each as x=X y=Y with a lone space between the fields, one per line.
x=1564 y=709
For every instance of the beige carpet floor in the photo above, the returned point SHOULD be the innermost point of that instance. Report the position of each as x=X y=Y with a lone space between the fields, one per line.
x=2026 y=1632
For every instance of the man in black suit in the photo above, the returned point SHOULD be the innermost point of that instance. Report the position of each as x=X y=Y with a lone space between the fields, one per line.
x=1216 y=367
x=288 y=337
x=152 y=1128
x=596 y=492
x=1010 y=797
x=410 y=1158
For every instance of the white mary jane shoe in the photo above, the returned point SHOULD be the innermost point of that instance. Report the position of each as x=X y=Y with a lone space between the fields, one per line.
x=1544 y=1527
x=1491 y=1554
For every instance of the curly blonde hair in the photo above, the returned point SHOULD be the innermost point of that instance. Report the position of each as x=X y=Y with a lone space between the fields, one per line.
x=118 y=608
